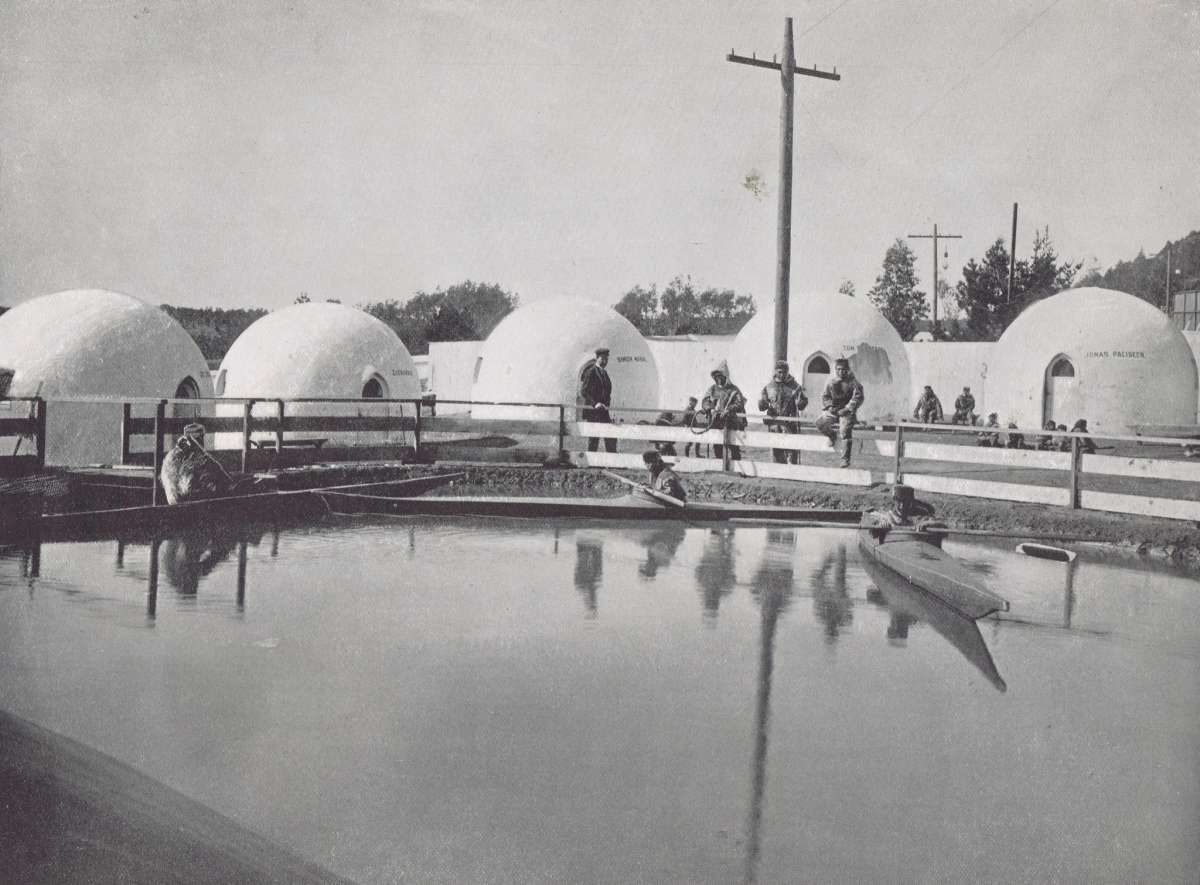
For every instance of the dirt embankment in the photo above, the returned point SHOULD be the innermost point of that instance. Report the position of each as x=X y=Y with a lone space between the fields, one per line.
x=1174 y=540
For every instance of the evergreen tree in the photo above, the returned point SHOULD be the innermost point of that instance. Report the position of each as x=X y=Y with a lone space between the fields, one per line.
x=895 y=292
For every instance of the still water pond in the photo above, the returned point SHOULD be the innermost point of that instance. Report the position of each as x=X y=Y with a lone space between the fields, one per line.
x=490 y=701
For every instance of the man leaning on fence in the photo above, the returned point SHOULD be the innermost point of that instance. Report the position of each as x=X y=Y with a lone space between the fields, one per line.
x=839 y=408
x=595 y=395
x=783 y=397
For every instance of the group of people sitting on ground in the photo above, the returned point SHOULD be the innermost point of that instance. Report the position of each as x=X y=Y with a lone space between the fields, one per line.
x=929 y=408
x=994 y=436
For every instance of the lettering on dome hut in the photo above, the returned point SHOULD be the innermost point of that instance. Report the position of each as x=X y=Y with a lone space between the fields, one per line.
x=631 y=359
x=1115 y=354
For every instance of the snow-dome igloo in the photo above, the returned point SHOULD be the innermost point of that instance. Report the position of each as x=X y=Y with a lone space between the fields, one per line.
x=821 y=328
x=93 y=343
x=536 y=353
x=325 y=351
x=1098 y=354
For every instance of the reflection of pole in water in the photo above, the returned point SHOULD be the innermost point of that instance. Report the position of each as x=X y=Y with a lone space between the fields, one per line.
x=589 y=569
x=152 y=581
x=274 y=541
x=772 y=587
x=556 y=540
x=120 y=554
x=241 y=576
x=1069 y=595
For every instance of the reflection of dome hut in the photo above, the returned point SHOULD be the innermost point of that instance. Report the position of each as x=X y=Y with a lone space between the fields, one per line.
x=95 y=343
x=321 y=350
x=821 y=328
x=1097 y=354
x=536 y=353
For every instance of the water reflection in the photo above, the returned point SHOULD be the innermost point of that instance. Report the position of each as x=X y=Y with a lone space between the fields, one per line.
x=589 y=570
x=716 y=574
x=831 y=601
x=772 y=588
x=191 y=556
x=661 y=546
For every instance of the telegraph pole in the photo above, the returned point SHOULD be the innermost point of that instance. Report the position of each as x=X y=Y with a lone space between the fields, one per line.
x=1012 y=255
x=783 y=264
x=935 y=236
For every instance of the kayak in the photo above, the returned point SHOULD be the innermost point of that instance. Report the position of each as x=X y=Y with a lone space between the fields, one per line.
x=906 y=601
x=148 y=520
x=917 y=556
x=632 y=507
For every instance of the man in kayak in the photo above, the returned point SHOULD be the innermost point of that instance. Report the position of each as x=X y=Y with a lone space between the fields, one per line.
x=662 y=478
x=595 y=394
x=839 y=408
x=190 y=473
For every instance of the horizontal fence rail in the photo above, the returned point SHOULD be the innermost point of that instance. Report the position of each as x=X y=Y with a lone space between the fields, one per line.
x=1129 y=473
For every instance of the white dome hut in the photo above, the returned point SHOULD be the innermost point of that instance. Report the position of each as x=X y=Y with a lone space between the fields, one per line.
x=1097 y=354
x=96 y=343
x=821 y=328
x=536 y=353
x=320 y=350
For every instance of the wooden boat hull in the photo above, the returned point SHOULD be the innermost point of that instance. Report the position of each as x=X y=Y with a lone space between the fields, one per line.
x=628 y=507
x=923 y=563
x=150 y=520
x=908 y=601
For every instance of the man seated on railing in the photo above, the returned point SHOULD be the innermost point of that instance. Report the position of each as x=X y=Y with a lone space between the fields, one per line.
x=929 y=408
x=190 y=473
x=840 y=400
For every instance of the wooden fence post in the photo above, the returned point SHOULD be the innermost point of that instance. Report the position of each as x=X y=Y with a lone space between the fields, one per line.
x=726 y=457
x=279 y=431
x=40 y=431
x=126 y=416
x=562 y=433
x=1074 y=473
x=416 y=432
x=899 y=469
x=247 y=408
x=160 y=416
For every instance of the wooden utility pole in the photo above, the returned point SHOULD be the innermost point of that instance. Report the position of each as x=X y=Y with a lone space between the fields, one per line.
x=1167 y=306
x=1012 y=255
x=783 y=264
x=935 y=236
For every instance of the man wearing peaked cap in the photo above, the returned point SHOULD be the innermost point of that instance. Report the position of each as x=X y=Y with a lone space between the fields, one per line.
x=595 y=395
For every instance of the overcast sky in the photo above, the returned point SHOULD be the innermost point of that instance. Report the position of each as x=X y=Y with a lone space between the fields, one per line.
x=236 y=154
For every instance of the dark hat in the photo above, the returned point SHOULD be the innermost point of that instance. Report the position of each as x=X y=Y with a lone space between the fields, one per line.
x=651 y=457
x=842 y=361
x=601 y=351
x=781 y=364
x=193 y=430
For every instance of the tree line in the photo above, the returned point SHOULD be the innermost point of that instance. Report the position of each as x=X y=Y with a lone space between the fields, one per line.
x=977 y=308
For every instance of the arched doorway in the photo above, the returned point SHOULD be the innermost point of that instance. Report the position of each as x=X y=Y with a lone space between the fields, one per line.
x=1062 y=403
x=187 y=389
x=816 y=374
x=374 y=388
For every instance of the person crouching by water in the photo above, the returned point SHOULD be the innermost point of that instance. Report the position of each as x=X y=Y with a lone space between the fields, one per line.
x=839 y=408
x=783 y=397
x=729 y=407
x=190 y=473
x=662 y=478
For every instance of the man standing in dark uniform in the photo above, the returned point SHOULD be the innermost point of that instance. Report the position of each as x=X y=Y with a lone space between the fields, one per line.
x=595 y=394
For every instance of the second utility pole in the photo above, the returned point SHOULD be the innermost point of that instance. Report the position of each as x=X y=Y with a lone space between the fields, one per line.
x=783 y=265
x=935 y=237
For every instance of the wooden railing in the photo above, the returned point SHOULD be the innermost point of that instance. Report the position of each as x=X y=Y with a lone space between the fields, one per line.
x=16 y=427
